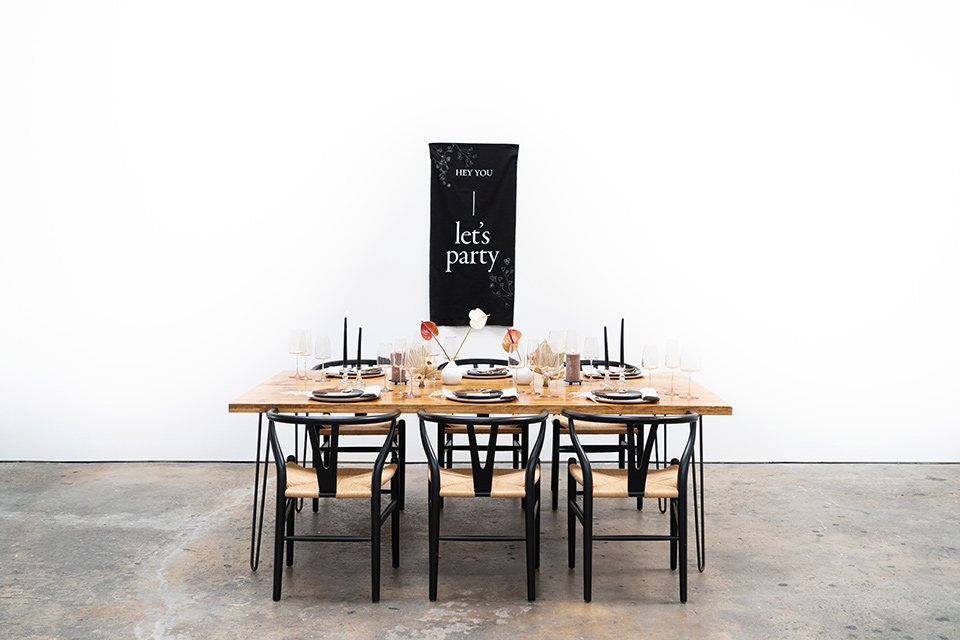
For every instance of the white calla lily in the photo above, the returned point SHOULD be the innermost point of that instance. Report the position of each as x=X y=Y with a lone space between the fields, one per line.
x=478 y=319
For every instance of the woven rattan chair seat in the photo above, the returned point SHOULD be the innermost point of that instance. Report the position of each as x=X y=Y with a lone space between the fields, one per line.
x=590 y=428
x=352 y=482
x=378 y=429
x=612 y=483
x=507 y=483
x=462 y=428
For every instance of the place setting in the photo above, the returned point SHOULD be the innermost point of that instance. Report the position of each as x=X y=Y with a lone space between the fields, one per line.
x=336 y=394
x=647 y=395
x=480 y=395
x=494 y=373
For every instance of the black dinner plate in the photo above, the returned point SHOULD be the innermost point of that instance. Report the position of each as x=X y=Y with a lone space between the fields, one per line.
x=349 y=394
x=488 y=372
x=625 y=394
x=631 y=372
x=478 y=394
x=366 y=372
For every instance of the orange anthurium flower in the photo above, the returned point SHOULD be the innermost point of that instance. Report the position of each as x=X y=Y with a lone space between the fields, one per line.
x=428 y=330
x=511 y=340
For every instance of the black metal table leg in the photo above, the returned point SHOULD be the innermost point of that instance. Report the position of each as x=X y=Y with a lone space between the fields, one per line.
x=256 y=532
x=699 y=520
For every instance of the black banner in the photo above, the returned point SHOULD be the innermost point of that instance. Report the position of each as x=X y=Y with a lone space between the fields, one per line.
x=473 y=231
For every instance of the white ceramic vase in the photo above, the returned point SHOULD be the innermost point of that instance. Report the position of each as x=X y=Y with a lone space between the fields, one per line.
x=452 y=373
x=523 y=375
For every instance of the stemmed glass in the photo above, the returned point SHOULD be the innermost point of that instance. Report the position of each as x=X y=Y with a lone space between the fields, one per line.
x=690 y=364
x=591 y=352
x=450 y=347
x=397 y=359
x=383 y=354
x=552 y=369
x=305 y=351
x=321 y=351
x=412 y=365
x=571 y=364
x=296 y=344
x=398 y=362
x=672 y=362
x=515 y=358
x=650 y=361
x=555 y=340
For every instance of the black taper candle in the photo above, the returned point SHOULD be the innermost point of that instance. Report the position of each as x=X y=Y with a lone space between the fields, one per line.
x=359 y=344
x=344 y=363
x=606 y=348
x=622 y=361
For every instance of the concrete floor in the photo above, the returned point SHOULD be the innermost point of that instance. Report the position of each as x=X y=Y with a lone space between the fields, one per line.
x=794 y=551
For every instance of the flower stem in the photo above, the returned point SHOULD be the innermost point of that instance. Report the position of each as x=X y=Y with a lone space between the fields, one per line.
x=444 y=350
x=461 y=343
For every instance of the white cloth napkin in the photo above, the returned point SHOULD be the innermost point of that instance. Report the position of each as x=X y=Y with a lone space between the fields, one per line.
x=374 y=390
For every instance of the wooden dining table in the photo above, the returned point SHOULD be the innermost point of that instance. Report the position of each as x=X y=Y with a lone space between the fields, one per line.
x=289 y=395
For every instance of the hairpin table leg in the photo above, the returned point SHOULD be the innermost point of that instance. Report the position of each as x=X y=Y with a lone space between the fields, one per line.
x=699 y=520
x=255 y=531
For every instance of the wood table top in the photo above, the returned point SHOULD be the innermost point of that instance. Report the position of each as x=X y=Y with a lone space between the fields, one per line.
x=293 y=396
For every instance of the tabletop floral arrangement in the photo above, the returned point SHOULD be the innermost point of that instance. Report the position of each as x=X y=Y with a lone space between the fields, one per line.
x=546 y=362
x=420 y=363
x=429 y=331
x=511 y=341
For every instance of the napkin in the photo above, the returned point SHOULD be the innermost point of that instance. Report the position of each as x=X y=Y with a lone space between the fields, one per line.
x=373 y=391
x=647 y=395
x=499 y=371
x=507 y=394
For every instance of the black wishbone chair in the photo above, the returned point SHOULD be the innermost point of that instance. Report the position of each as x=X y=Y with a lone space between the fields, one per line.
x=636 y=480
x=400 y=441
x=445 y=436
x=328 y=479
x=482 y=479
x=560 y=427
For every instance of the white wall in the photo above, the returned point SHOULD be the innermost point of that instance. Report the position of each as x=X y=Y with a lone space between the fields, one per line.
x=183 y=182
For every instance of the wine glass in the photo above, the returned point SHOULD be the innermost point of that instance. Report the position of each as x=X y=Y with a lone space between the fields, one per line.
x=412 y=364
x=450 y=347
x=295 y=348
x=650 y=360
x=306 y=348
x=671 y=360
x=555 y=340
x=591 y=352
x=571 y=341
x=690 y=364
x=397 y=364
x=383 y=353
x=552 y=363
x=397 y=361
x=321 y=351
x=515 y=357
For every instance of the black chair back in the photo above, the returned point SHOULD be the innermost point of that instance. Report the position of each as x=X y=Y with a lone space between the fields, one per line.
x=637 y=458
x=600 y=363
x=351 y=362
x=326 y=460
x=476 y=362
x=482 y=455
